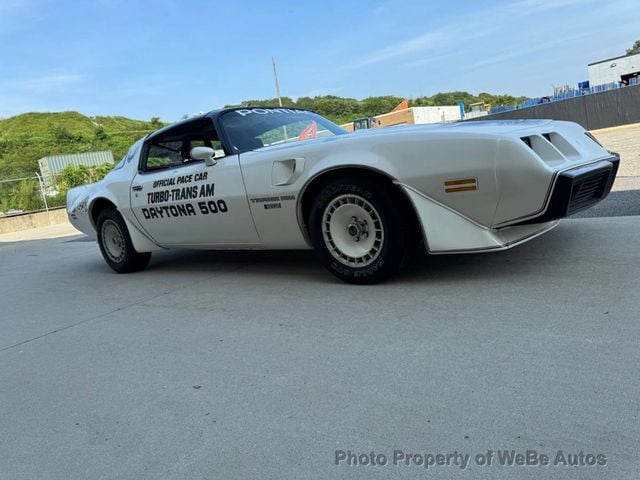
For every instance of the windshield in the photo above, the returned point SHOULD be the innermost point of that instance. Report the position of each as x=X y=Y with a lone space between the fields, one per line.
x=252 y=128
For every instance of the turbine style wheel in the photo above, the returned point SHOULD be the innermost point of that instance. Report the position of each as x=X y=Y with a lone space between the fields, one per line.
x=359 y=229
x=352 y=230
x=113 y=241
x=115 y=244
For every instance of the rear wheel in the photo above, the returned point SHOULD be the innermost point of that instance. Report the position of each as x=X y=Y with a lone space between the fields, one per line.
x=359 y=229
x=116 y=246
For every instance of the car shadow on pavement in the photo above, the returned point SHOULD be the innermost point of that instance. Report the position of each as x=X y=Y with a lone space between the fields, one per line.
x=302 y=264
x=254 y=262
x=556 y=252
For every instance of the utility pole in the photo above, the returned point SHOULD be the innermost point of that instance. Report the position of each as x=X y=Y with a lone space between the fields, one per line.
x=275 y=76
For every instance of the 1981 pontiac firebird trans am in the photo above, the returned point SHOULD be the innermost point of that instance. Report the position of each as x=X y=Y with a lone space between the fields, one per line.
x=280 y=178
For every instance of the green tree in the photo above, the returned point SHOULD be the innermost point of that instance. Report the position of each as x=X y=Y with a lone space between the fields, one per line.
x=100 y=171
x=73 y=176
x=371 y=106
x=62 y=135
x=634 y=49
x=101 y=134
x=76 y=175
x=26 y=196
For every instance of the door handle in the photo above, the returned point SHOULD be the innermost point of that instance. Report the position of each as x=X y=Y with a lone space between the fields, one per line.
x=136 y=188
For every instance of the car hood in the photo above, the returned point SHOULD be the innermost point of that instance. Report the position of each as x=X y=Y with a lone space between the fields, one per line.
x=485 y=127
x=479 y=126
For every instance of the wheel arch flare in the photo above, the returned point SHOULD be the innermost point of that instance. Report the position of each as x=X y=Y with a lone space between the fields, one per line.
x=315 y=183
x=140 y=241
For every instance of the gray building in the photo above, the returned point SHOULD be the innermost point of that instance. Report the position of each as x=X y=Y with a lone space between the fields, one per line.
x=50 y=166
x=619 y=69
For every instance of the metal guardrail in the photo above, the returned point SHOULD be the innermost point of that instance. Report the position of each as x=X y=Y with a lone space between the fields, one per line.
x=31 y=212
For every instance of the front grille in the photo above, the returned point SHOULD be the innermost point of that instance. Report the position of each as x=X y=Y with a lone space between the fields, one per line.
x=587 y=191
x=578 y=188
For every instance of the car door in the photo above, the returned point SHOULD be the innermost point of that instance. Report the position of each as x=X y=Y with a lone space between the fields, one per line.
x=184 y=202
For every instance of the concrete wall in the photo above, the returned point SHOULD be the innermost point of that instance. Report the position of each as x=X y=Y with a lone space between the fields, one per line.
x=446 y=113
x=33 y=220
x=598 y=110
x=471 y=115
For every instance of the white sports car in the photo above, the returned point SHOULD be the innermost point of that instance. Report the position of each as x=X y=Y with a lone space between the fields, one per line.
x=281 y=178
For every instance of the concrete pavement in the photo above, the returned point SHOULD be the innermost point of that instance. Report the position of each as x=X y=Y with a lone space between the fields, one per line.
x=617 y=204
x=261 y=365
x=64 y=229
x=625 y=140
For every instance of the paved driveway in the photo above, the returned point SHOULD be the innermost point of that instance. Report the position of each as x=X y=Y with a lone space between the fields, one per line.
x=260 y=365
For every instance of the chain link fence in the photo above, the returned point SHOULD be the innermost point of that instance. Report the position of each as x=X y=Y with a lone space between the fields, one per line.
x=28 y=195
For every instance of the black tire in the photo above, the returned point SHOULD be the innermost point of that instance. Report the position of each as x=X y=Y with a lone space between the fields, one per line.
x=383 y=211
x=119 y=254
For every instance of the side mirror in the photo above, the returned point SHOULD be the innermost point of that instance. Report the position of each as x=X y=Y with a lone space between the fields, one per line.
x=204 y=153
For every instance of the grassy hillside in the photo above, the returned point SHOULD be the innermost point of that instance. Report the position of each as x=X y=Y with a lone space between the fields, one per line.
x=26 y=138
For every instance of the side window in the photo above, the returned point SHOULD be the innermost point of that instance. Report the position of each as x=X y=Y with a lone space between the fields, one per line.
x=173 y=148
x=163 y=155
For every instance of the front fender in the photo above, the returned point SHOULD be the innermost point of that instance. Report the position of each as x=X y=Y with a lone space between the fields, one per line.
x=376 y=165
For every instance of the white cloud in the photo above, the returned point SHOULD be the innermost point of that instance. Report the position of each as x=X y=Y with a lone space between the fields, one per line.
x=422 y=43
x=48 y=83
x=424 y=61
x=435 y=44
x=521 y=51
x=526 y=7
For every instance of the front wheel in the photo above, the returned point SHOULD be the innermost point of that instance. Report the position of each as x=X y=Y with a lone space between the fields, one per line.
x=359 y=229
x=116 y=246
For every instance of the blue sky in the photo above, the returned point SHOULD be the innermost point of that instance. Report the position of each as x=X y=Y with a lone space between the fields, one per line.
x=166 y=58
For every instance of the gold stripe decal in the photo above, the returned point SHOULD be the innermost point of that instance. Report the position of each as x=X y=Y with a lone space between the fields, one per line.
x=461 y=185
x=460 y=182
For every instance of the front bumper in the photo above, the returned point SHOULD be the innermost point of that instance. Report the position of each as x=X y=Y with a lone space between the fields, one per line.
x=579 y=188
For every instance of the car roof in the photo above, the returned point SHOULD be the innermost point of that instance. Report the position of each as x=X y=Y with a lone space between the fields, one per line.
x=214 y=115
